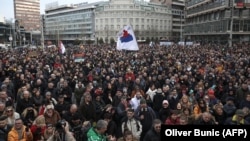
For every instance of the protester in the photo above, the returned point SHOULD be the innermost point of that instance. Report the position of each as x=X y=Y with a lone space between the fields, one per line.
x=61 y=132
x=14 y=134
x=38 y=128
x=97 y=133
x=4 y=128
x=11 y=115
x=154 y=133
x=237 y=119
x=132 y=124
x=128 y=136
x=194 y=78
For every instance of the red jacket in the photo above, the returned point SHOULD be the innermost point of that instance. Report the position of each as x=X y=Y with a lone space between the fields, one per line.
x=131 y=75
x=37 y=134
x=170 y=121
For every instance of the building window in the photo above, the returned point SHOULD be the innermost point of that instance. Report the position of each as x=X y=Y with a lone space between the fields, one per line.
x=142 y=20
x=137 y=20
x=124 y=20
x=131 y=20
x=137 y=27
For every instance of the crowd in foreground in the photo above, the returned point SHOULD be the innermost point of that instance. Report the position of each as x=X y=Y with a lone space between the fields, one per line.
x=121 y=95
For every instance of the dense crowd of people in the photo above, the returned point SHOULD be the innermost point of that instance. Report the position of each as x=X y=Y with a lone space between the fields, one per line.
x=121 y=95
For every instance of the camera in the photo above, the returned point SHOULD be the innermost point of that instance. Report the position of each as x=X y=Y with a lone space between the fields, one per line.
x=60 y=125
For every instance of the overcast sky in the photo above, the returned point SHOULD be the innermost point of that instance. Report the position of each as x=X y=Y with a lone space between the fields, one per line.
x=7 y=8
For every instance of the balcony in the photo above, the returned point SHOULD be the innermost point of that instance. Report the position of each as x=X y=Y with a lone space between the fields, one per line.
x=193 y=4
x=206 y=8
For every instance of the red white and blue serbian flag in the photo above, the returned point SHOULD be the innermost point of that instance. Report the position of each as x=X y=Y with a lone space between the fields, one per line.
x=61 y=48
x=126 y=39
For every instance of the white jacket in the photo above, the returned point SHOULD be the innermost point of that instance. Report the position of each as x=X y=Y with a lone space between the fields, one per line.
x=134 y=126
x=151 y=93
x=134 y=102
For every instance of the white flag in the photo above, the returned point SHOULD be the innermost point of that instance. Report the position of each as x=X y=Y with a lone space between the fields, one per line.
x=62 y=48
x=126 y=39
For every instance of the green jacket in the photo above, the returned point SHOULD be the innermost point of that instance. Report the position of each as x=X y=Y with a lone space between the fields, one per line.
x=94 y=136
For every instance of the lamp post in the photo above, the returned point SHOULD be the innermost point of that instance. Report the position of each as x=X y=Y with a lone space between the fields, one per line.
x=42 y=40
x=31 y=36
x=10 y=38
x=24 y=39
x=181 y=28
x=231 y=25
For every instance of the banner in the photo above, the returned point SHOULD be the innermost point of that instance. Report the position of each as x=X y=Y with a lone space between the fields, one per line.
x=126 y=39
x=33 y=54
x=239 y=3
x=189 y=43
x=79 y=57
x=181 y=43
x=166 y=43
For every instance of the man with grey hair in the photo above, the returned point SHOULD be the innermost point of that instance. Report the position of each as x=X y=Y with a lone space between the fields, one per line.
x=97 y=133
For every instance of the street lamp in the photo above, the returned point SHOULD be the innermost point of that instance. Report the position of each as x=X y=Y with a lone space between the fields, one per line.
x=10 y=38
x=24 y=39
x=230 y=44
x=31 y=36
x=181 y=28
